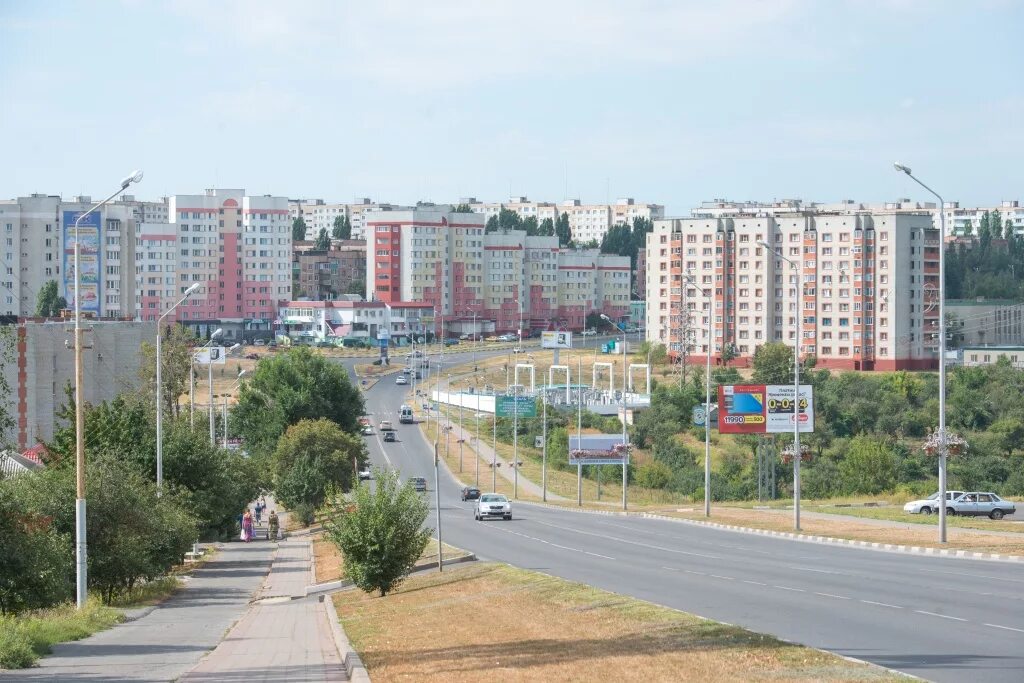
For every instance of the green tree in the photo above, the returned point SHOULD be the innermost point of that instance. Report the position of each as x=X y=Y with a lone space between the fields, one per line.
x=380 y=532
x=1008 y=232
x=530 y=225
x=291 y=386
x=562 y=230
x=653 y=475
x=356 y=287
x=7 y=422
x=728 y=353
x=869 y=466
x=323 y=240
x=342 y=228
x=33 y=557
x=313 y=457
x=546 y=228
x=298 y=230
x=773 y=364
x=49 y=302
x=176 y=350
x=492 y=224
x=462 y=208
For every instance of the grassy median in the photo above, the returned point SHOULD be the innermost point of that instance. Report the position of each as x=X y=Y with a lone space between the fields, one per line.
x=493 y=621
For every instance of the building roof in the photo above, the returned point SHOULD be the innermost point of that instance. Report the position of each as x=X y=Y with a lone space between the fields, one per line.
x=1007 y=347
x=982 y=302
x=12 y=464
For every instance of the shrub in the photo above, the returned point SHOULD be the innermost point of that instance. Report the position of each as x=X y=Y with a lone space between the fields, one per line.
x=313 y=457
x=653 y=475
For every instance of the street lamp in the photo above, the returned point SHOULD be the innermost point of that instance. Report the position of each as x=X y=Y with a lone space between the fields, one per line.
x=192 y=386
x=209 y=381
x=160 y=389
x=81 y=547
x=237 y=381
x=942 y=350
x=796 y=383
x=707 y=396
x=625 y=456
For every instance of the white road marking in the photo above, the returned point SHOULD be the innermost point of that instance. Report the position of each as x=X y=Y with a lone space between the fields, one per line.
x=545 y=542
x=880 y=604
x=975 y=576
x=787 y=588
x=812 y=569
x=1006 y=628
x=941 y=616
x=755 y=583
x=623 y=540
x=717 y=576
x=833 y=595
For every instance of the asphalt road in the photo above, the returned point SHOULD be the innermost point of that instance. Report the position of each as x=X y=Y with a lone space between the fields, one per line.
x=940 y=619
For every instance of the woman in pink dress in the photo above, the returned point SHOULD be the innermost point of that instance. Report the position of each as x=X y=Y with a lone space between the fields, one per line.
x=247 y=526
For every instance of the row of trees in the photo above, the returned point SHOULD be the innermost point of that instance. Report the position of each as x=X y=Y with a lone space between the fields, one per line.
x=628 y=240
x=991 y=265
x=506 y=219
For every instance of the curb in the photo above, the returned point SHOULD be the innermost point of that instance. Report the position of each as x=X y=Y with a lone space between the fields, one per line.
x=826 y=540
x=353 y=664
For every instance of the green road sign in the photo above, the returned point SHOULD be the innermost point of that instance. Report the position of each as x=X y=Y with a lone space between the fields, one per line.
x=508 y=406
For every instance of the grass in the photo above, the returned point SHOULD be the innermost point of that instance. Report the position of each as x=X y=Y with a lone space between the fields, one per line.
x=149 y=593
x=548 y=629
x=896 y=514
x=29 y=636
x=329 y=563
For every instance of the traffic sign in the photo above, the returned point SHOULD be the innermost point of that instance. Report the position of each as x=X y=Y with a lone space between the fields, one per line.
x=699 y=416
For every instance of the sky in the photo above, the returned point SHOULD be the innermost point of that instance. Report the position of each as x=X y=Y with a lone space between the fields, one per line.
x=667 y=102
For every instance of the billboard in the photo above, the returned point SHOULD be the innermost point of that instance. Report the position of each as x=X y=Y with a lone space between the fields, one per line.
x=763 y=408
x=556 y=340
x=598 y=449
x=509 y=406
x=89 y=234
x=210 y=354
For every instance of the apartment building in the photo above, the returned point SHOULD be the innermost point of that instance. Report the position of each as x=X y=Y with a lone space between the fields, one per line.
x=37 y=243
x=319 y=214
x=864 y=283
x=363 y=320
x=325 y=274
x=508 y=279
x=985 y=322
x=239 y=247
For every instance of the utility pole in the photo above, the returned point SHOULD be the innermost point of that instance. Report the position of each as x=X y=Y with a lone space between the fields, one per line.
x=544 y=447
x=579 y=429
x=437 y=508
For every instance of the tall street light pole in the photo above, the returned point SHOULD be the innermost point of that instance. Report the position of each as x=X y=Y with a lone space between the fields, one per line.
x=160 y=389
x=192 y=386
x=226 y=407
x=81 y=545
x=707 y=396
x=625 y=455
x=796 y=382
x=942 y=349
x=209 y=368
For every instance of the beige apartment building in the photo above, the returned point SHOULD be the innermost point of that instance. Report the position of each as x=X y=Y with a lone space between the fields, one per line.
x=865 y=285
x=319 y=214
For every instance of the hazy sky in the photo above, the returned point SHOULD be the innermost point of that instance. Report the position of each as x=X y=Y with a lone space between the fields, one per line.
x=671 y=102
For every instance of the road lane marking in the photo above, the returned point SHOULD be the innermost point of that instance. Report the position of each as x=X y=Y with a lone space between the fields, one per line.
x=812 y=569
x=941 y=616
x=545 y=542
x=684 y=538
x=787 y=588
x=974 y=576
x=755 y=583
x=880 y=604
x=718 y=576
x=1006 y=628
x=833 y=595
x=623 y=540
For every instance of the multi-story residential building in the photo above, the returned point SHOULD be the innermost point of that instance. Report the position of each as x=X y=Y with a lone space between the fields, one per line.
x=505 y=278
x=974 y=356
x=866 y=288
x=324 y=274
x=959 y=218
x=985 y=322
x=368 y=321
x=37 y=245
x=238 y=246
x=319 y=214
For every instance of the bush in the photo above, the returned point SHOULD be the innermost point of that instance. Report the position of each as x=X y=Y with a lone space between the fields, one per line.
x=653 y=475
x=380 y=533
x=34 y=569
x=313 y=457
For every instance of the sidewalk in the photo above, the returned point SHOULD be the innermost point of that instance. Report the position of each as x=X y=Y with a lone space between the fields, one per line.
x=171 y=639
x=283 y=636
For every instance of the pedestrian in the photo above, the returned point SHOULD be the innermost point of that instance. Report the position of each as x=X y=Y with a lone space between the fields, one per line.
x=272 y=526
x=247 y=526
x=259 y=512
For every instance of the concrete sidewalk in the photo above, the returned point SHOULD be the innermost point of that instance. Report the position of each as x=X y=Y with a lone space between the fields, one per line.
x=171 y=639
x=284 y=636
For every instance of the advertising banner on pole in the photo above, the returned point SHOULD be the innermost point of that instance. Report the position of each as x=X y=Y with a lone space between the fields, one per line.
x=598 y=449
x=211 y=354
x=556 y=340
x=508 y=406
x=763 y=408
x=89 y=239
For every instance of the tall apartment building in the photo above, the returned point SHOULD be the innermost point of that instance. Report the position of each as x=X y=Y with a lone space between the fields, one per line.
x=986 y=322
x=446 y=259
x=238 y=246
x=37 y=246
x=319 y=214
x=324 y=275
x=867 y=283
x=587 y=222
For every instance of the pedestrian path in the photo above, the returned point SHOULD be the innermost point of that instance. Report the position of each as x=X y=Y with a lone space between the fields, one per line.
x=284 y=636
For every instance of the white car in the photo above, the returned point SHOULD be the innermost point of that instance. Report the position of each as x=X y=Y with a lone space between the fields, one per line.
x=365 y=474
x=401 y=379
x=927 y=506
x=492 y=505
x=588 y=333
x=367 y=430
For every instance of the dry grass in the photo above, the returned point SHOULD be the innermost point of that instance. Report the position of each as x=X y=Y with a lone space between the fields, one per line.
x=547 y=629
x=855 y=529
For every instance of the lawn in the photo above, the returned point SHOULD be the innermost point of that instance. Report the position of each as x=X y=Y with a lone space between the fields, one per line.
x=548 y=629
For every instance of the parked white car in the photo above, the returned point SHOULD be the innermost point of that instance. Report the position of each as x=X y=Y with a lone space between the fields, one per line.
x=927 y=506
x=492 y=505
x=588 y=333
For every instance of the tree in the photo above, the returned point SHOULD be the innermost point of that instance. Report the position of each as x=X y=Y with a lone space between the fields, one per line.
x=298 y=230
x=342 y=228
x=869 y=466
x=313 y=457
x=492 y=224
x=728 y=353
x=289 y=387
x=323 y=240
x=546 y=228
x=7 y=422
x=380 y=533
x=593 y=320
x=462 y=208
x=34 y=559
x=562 y=230
x=356 y=287
x=49 y=303
x=773 y=364
x=176 y=354
x=530 y=225
x=1008 y=232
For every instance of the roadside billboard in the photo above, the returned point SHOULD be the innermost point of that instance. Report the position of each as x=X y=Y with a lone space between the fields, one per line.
x=763 y=408
x=509 y=406
x=598 y=449
x=556 y=340
x=210 y=354
x=89 y=239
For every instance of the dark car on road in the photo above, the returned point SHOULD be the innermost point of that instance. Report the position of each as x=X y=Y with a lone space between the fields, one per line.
x=418 y=483
x=390 y=436
x=470 y=493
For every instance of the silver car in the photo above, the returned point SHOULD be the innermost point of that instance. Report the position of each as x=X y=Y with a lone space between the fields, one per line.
x=492 y=505
x=981 y=504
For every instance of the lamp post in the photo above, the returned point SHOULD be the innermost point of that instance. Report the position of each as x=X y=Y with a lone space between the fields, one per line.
x=625 y=455
x=942 y=350
x=226 y=407
x=81 y=546
x=797 y=455
x=209 y=367
x=707 y=395
x=192 y=384
x=544 y=447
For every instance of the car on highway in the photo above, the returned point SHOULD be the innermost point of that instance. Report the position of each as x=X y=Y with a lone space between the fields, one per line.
x=492 y=338
x=260 y=342
x=927 y=506
x=367 y=430
x=517 y=350
x=365 y=474
x=451 y=342
x=406 y=371
x=588 y=333
x=981 y=504
x=508 y=338
x=470 y=493
x=419 y=484
x=385 y=425
x=492 y=505
x=390 y=436
x=464 y=337
x=401 y=379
